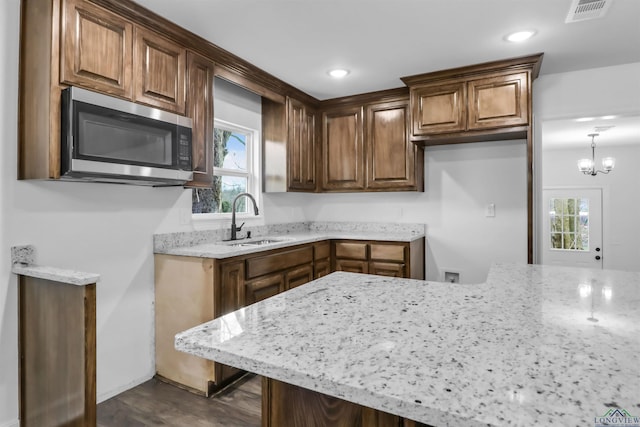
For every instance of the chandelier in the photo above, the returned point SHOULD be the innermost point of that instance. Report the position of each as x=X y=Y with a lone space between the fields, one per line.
x=588 y=166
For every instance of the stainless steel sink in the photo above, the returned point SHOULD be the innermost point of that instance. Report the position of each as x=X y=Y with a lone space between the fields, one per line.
x=259 y=242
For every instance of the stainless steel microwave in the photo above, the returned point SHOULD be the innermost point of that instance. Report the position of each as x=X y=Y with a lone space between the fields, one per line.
x=107 y=139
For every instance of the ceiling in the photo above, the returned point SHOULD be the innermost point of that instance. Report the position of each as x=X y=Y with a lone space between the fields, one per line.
x=380 y=41
x=616 y=130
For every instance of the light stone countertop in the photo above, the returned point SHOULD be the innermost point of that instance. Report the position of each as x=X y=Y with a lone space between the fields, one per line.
x=211 y=244
x=221 y=249
x=522 y=349
x=23 y=263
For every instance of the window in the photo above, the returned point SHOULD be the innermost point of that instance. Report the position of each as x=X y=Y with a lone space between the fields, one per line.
x=235 y=170
x=569 y=224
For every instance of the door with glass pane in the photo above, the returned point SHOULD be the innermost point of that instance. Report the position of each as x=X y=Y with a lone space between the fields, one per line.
x=572 y=230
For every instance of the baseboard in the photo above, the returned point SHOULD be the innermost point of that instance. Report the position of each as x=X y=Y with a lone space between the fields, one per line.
x=13 y=423
x=111 y=393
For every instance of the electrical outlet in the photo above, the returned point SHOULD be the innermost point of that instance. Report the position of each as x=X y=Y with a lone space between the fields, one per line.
x=452 y=276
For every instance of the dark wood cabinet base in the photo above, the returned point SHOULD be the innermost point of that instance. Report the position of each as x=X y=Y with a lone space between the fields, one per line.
x=288 y=405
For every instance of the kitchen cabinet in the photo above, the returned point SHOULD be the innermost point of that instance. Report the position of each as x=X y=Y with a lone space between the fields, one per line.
x=190 y=291
x=395 y=259
x=96 y=49
x=321 y=259
x=366 y=146
x=57 y=353
x=343 y=158
x=290 y=151
x=393 y=162
x=160 y=67
x=301 y=146
x=475 y=103
x=200 y=75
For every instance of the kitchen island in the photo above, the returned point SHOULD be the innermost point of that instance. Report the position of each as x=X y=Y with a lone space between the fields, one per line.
x=533 y=345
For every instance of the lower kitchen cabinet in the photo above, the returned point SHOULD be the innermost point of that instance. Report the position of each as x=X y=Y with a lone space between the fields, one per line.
x=190 y=291
x=184 y=298
x=395 y=259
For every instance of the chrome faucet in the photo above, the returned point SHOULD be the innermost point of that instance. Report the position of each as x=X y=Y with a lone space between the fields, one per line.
x=235 y=229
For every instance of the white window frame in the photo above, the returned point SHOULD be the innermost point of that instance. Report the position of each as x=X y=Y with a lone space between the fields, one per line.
x=253 y=173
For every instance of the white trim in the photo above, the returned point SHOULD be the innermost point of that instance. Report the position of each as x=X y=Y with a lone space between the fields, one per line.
x=253 y=173
x=12 y=423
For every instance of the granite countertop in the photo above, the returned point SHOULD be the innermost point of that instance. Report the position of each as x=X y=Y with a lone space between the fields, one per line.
x=533 y=345
x=212 y=245
x=23 y=263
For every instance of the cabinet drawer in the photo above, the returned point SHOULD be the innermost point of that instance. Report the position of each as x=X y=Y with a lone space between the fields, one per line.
x=386 y=252
x=352 y=266
x=321 y=251
x=351 y=250
x=266 y=264
x=263 y=288
x=298 y=276
x=390 y=269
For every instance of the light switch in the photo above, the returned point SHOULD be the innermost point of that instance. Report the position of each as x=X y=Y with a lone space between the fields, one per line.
x=490 y=211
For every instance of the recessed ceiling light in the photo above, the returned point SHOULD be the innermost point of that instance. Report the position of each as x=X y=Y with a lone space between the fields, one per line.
x=338 y=73
x=585 y=119
x=519 y=36
x=608 y=117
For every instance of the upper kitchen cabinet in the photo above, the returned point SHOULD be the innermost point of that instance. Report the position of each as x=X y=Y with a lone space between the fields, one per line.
x=160 y=67
x=393 y=161
x=366 y=144
x=301 y=146
x=343 y=161
x=96 y=48
x=290 y=152
x=475 y=103
x=200 y=78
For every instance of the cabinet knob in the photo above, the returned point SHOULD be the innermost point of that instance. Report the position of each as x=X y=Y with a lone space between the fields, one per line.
x=598 y=257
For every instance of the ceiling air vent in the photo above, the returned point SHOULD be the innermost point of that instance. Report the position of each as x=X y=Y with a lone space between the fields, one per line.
x=582 y=10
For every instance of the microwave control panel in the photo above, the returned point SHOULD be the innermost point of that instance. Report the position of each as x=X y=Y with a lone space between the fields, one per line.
x=184 y=148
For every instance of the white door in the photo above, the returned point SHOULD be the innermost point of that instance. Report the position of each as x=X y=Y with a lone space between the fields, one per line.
x=572 y=227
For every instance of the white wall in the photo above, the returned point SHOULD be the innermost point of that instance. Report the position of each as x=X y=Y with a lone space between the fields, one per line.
x=620 y=196
x=593 y=92
x=460 y=181
x=101 y=228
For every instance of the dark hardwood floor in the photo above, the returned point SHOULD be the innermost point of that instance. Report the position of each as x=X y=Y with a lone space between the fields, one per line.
x=155 y=403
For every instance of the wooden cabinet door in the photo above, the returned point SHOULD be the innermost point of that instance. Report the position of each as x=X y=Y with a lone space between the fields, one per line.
x=321 y=267
x=438 y=109
x=343 y=150
x=96 y=49
x=352 y=265
x=200 y=109
x=301 y=147
x=159 y=71
x=499 y=101
x=390 y=269
x=391 y=156
x=298 y=276
x=264 y=287
x=231 y=296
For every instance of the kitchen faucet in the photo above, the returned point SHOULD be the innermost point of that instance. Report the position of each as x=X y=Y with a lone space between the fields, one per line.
x=235 y=229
